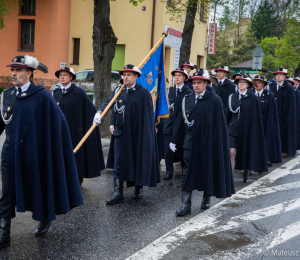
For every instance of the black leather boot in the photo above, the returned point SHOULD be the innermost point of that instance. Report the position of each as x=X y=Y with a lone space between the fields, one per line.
x=118 y=194
x=42 y=228
x=138 y=192
x=246 y=176
x=186 y=206
x=205 y=201
x=168 y=176
x=5 y=224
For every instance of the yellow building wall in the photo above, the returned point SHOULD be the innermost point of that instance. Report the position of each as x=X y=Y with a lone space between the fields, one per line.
x=82 y=20
x=132 y=27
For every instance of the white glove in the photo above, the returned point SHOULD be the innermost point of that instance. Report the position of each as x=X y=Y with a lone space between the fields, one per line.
x=97 y=118
x=173 y=147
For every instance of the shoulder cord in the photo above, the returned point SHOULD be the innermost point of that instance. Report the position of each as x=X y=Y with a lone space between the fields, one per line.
x=6 y=121
x=172 y=105
x=230 y=107
x=184 y=115
x=238 y=110
x=122 y=108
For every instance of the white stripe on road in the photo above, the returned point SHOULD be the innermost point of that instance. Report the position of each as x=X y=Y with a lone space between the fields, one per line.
x=286 y=233
x=255 y=215
x=209 y=218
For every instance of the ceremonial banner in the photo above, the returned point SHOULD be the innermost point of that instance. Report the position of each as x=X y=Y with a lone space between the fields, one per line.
x=153 y=78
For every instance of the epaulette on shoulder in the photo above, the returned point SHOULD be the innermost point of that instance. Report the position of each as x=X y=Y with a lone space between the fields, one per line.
x=7 y=89
x=190 y=94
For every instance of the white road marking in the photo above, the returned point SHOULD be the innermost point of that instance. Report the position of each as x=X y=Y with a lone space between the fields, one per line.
x=253 y=216
x=209 y=218
x=285 y=234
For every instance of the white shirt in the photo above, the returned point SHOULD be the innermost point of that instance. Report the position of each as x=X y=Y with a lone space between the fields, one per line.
x=129 y=88
x=178 y=88
x=279 y=86
x=24 y=87
x=65 y=88
x=221 y=81
x=201 y=95
x=240 y=94
x=260 y=92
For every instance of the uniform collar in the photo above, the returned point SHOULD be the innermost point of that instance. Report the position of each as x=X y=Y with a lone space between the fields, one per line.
x=179 y=87
x=65 y=88
x=260 y=92
x=222 y=81
x=24 y=87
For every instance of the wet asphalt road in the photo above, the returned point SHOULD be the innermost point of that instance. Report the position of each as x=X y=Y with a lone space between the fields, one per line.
x=98 y=231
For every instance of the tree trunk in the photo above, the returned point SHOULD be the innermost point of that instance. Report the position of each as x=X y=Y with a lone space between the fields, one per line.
x=189 y=24
x=104 y=43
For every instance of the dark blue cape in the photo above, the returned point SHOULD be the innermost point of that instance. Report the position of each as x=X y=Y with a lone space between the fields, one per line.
x=140 y=162
x=42 y=174
x=79 y=111
x=297 y=99
x=224 y=91
x=210 y=166
x=286 y=107
x=271 y=128
x=251 y=151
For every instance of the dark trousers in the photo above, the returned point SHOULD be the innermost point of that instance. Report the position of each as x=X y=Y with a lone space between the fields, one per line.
x=168 y=155
x=5 y=210
x=116 y=173
x=185 y=169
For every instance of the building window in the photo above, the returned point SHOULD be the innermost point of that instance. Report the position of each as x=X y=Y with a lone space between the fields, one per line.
x=202 y=12
x=76 y=50
x=28 y=7
x=27 y=34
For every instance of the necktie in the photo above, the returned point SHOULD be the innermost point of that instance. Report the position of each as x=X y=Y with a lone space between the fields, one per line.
x=257 y=94
x=20 y=90
x=219 y=83
x=63 y=90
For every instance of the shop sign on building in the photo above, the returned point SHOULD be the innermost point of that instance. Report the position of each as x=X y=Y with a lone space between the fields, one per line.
x=212 y=39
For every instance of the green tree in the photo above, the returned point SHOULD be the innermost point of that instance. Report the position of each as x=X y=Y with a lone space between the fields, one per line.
x=266 y=22
x=288 y=53
x=269 y=47
x=5 y=5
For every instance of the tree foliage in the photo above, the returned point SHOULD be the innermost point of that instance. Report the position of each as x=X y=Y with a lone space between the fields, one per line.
x=266 y=22
x=5 y=5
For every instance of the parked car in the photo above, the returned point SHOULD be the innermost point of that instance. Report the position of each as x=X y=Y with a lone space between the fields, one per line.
x=85 y=79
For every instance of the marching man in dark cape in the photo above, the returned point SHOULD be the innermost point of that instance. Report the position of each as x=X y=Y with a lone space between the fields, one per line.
x=79 y=111
x=245 y=130
x=269 y=117
x=286 y=107
x=37 y=162
x=224 y=87
x=206 y=150
x=133 y=151
x=175 y=96
x=291 y=82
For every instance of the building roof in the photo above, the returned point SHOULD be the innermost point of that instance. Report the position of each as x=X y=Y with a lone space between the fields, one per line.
x=246 y=64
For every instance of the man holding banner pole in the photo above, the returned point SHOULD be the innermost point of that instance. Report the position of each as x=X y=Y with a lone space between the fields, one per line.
x=133 y=152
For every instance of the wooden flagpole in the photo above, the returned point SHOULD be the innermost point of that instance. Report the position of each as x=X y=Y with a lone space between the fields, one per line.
x=165 y=34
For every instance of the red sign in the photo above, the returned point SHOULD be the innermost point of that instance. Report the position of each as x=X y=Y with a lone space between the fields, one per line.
x=212 y=39
x=175 y=33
